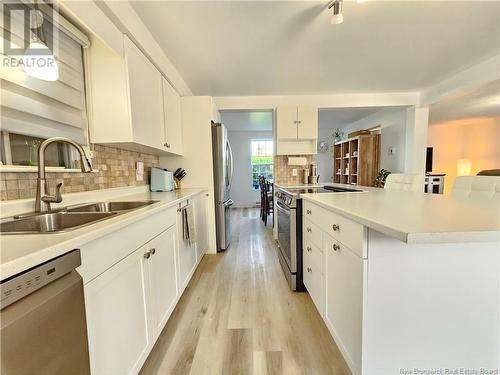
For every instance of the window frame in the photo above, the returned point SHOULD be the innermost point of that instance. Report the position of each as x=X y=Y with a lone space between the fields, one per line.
x=252 y=165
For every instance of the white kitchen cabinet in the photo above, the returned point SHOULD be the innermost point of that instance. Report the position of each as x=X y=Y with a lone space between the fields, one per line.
x=132 y=105
x=344 y=299
x=117 y=310
x=296 y=130
x=186 y=253
x=172 y=119
x=146 y=97
x=314 y=278
x=162 y=277
x=129 y=304
x=201 y=225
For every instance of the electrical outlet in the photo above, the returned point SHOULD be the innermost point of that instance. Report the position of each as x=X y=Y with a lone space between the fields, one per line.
x=294 y=172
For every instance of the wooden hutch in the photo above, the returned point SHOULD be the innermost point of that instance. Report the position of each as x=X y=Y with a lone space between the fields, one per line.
x=356 y=161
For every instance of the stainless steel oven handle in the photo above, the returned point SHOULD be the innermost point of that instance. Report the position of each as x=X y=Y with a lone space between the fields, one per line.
x=283 y=208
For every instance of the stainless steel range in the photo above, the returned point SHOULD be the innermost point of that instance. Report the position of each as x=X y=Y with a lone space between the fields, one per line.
x=289 y=215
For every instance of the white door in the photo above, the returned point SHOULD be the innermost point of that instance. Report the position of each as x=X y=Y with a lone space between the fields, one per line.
x=344 y=298
x=172 y=113
x=146 y=97
x=286 y=123
x=162 y=276
x=117 y=317
x=307 y=127
x=201 y=223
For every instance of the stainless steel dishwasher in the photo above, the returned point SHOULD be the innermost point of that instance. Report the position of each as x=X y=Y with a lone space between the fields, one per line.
x=42 y=320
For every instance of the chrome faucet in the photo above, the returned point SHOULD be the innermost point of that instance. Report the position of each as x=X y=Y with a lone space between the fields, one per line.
x=43 y=199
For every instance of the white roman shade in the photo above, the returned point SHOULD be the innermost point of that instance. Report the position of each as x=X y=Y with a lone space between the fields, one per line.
x=34 y=107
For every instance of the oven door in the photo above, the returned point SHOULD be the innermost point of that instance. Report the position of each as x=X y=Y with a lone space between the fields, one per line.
x=286 y=234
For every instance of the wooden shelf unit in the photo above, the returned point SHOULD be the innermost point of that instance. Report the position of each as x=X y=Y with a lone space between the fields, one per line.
x=359 y=169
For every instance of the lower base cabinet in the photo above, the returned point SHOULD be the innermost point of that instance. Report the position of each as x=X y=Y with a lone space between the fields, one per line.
x=344 y=299
x=117 y=304
x=129 y=304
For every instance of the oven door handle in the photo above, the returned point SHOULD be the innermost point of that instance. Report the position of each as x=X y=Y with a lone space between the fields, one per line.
x=283 y=208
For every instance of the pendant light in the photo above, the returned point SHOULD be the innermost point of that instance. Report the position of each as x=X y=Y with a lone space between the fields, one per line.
x=38 y=59
x=337 y=14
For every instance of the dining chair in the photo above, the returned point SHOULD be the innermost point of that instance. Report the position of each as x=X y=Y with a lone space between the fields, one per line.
x=405 y=182
x=482 y=187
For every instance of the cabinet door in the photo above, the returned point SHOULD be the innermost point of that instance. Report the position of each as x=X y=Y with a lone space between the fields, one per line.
x=201 y=223
x=344 y=299
x=172 y=113
x=187 y=255
x=307 y=127
x=117 y=317
x=286 y=123
x=162 y=277
x=146 y=98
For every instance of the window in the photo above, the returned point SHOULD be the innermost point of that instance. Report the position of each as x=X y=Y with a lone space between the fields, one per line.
x=262 y=160
x=33 y=109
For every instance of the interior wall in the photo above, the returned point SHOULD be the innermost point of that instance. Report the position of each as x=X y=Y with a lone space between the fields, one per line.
x=477 y=139
x=393 y=124
x=242 y=192
x=324 y=160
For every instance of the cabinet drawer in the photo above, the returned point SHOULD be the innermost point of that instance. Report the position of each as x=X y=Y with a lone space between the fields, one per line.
x=312 y=212
x=314 y=277
x=346 y=231
x=312 y=232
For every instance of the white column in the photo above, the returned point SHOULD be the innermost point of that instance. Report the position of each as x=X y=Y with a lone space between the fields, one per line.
x=417 y=122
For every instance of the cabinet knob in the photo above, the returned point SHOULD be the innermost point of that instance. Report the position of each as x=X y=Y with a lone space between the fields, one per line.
x=167 y=145
x=309 y=248
x=308 y=212
x=299 y=122
x=147 y=255
x=309 y=229
x=309 y=269
x=336 y=247
x=152 y=251
x=336 y=227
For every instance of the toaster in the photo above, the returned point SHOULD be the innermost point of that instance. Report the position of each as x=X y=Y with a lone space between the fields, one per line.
x=161 y=180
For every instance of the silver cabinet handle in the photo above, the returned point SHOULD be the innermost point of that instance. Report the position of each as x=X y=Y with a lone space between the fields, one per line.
x=147 y=255
x=300 y=122
x=167 y=145
x=336 y=227
x=336 y=247
x=308 y=212
x=152 y=251
x=309 y=248
x=309 y=269
x=309 y=229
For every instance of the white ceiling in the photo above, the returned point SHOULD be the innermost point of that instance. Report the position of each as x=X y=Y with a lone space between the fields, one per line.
x=289 y=47
x=483 y=101
x=247 y=120
x=333 y=118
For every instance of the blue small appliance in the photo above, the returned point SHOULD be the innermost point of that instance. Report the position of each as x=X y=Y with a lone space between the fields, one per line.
x=161 y=180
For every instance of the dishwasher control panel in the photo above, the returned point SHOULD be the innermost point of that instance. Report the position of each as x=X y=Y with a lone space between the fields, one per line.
x=18 y=286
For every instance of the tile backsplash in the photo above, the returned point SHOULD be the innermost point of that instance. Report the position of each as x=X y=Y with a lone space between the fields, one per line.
x=283 y=171
x=116 y=168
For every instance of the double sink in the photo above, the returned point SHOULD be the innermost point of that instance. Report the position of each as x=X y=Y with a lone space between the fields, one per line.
x=69 y=218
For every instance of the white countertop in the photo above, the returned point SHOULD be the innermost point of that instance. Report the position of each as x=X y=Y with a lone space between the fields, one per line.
x=416 y=217
x=19 y=252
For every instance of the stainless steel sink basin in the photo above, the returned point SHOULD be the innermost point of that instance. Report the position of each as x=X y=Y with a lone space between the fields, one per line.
x=52 y=222
x=110 y=206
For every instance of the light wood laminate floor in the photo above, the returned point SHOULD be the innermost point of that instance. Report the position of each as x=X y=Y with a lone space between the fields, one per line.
x=238 y=316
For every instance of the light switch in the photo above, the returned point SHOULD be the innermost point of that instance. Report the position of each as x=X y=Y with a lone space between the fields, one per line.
x=139 y=171
x=392 y=150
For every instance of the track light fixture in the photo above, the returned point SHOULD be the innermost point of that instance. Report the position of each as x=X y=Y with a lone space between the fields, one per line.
x=337 y=14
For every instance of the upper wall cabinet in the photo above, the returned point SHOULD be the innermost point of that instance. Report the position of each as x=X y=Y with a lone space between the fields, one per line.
x=146 y=97
x=296 y=130
x=172 y=113
x=132 y=105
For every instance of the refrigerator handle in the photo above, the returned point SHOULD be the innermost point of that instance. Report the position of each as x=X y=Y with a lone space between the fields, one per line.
x=232 y=165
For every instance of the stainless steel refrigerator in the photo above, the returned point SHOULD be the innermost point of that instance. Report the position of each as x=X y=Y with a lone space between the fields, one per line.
x=223 y=177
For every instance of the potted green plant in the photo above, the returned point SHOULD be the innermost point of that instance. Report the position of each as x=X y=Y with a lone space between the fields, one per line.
x=381 y=177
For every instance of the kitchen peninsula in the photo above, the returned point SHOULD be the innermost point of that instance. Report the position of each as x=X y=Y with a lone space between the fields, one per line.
x=405 y=280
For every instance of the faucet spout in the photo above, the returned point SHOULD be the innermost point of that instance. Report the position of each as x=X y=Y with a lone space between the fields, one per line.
x=41 y=204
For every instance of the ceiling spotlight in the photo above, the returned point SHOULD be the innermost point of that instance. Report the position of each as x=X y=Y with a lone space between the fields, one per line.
x=337 y=15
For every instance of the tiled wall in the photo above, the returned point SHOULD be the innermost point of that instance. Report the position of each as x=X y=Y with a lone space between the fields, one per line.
x=283 y=171
x=116 y=168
